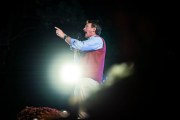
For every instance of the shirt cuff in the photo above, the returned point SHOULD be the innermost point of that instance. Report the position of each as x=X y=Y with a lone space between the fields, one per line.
x=72 y=41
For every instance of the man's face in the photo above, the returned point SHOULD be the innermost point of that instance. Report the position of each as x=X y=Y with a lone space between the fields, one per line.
x=89 y=31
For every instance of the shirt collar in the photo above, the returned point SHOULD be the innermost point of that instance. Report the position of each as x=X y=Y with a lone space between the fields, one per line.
x=92 y=36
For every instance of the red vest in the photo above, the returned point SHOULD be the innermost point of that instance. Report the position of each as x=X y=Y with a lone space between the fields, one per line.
x=93 y=63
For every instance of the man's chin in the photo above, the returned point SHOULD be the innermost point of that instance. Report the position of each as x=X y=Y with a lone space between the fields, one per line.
x=86 y=36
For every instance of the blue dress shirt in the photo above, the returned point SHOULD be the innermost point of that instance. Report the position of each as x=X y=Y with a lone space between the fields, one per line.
x=92 y=43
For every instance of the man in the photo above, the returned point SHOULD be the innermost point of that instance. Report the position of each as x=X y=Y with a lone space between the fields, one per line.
x=93 y=59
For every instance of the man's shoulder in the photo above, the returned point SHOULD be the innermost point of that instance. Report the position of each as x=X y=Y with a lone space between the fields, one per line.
x=99 y=38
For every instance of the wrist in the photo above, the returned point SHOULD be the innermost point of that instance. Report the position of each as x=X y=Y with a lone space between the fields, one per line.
x=65 y=36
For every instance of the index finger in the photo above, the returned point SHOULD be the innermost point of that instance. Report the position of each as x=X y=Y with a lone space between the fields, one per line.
x=56 y=27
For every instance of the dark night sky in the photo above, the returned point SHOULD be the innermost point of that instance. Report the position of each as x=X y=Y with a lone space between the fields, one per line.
x=134 y=31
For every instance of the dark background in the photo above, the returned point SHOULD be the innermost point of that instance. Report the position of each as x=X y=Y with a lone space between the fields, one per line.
x=139 y=32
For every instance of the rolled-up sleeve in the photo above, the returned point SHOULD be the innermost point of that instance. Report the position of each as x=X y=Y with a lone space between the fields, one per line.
x=93 y=43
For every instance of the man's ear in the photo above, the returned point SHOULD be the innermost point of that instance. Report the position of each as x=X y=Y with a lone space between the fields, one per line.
x=94 y=29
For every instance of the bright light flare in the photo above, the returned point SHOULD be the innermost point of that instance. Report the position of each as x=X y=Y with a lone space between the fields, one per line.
x=70 y=73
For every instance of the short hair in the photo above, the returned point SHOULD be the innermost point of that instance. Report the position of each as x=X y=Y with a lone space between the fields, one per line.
x=95 y=24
